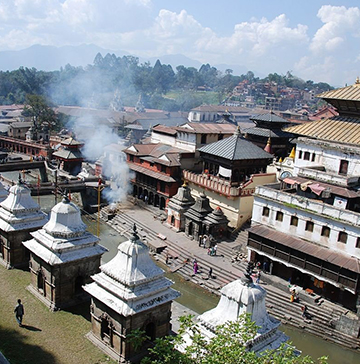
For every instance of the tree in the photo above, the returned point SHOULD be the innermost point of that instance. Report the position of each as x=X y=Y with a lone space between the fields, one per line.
x=227 y=346
x=40 y=111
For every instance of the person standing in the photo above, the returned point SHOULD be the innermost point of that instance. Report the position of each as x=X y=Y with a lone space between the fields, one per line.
x=215 y=249
x=210 y=273
x=19 y=312
x=258 y=277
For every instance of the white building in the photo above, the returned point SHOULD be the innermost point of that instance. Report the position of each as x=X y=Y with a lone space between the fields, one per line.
x=307 y=227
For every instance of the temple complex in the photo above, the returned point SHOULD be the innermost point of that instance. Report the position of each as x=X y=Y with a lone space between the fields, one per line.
x=131 y=292
x=240 y=297
x=63 y=256
x=177 y=206
x=19 y=216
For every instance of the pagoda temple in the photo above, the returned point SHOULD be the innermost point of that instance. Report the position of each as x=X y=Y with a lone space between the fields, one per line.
x=63 y=256
x=268 y=130
x=177 y=206
x=69 y=156
x=194 y=217
x=19 y=216
x=131 y=292
x=216 y=223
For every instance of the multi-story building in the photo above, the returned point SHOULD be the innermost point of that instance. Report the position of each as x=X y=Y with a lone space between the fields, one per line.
x=306 y=228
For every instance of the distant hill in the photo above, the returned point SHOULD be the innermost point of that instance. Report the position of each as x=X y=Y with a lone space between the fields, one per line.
x=50 y=58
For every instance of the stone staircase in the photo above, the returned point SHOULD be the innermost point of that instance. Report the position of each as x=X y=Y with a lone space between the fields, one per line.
x=278 y=296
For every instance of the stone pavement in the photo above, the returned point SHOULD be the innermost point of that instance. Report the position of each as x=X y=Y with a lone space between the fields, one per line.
x=180 y=251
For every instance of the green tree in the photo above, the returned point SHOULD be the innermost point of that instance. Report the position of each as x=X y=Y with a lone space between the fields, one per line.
x=40 y=111
x=228 y=346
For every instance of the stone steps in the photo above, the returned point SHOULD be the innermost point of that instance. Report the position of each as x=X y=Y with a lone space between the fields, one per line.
x=278 y=301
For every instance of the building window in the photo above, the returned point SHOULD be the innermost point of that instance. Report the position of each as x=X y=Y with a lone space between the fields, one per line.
x=342 y=238
x=313 y=157
x=294 y=221
x=221 y=136
x=162 y=186
x=203 y=139
x=357 y=243
x=300 y=154
x=325 y=231
x=343 y=167
x=309 y=226
x=307 y=156
x=279 y=216
x=266 y=211
x=163 y=168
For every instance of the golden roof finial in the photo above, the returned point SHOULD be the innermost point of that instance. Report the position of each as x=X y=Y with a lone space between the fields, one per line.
x=357 y=82
x=292 y=153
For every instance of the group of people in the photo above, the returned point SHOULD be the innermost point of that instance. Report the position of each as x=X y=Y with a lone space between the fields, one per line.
x=213 y=250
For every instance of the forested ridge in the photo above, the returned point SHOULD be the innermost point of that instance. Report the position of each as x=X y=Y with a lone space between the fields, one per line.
x=160 y=85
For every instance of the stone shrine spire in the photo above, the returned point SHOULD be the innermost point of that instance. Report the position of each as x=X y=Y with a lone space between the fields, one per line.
x=131 y=292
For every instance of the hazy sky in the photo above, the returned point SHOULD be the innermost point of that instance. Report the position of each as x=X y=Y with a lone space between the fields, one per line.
x=315 y=39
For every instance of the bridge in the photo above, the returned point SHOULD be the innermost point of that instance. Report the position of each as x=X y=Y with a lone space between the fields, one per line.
x=25 y=165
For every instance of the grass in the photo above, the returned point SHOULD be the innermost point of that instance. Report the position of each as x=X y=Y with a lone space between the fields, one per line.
x=47 y=337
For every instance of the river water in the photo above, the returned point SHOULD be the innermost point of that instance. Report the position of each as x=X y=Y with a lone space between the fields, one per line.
x=200 y=300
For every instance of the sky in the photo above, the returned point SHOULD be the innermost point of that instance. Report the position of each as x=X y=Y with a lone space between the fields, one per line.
x=315 y=40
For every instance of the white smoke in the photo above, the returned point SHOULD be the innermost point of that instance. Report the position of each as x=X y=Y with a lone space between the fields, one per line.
x=97 y=139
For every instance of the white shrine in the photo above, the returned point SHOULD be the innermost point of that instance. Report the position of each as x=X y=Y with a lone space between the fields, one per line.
x=3 y=192
x=130 y=293
x=19 y=215
x=63 y=256
x=239 y=297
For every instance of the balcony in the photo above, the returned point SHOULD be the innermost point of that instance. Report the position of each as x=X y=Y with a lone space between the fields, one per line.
x=328 y=177
x=213 y=183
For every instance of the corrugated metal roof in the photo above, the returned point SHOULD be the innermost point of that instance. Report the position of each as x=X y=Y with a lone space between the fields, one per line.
x=164 y=129
x=336 y=190
x=207 y=128
x=235 y=148
x=269 y=118
x=277 y=133
x=345 y=93
x=149 y=172
x=308 y=248
x=339 y=129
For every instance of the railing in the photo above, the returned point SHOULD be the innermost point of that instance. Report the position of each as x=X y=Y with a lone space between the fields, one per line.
x=213 y=183
x=327 y=177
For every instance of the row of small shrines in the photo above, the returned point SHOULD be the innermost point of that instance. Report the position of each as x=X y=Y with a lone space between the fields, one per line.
x=127 y=293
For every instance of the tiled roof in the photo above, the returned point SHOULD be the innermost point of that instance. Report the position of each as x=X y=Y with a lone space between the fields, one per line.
x=235 y=148
x=207 y=128
x=350 y=93
x=338 y=129
x=269 y=118
x=149 y=172
x=309 y=248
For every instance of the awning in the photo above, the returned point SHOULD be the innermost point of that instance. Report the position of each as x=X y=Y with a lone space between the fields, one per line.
x=224 y=172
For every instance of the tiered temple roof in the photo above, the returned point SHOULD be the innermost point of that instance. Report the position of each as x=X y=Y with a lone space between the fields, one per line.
x=19 y=211
x=131 y=282
x=64 y=238
x=200 y=209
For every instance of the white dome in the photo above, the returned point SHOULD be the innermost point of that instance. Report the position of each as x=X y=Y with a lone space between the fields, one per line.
x=19 y=198
x=65 y=220
x=237 y=298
